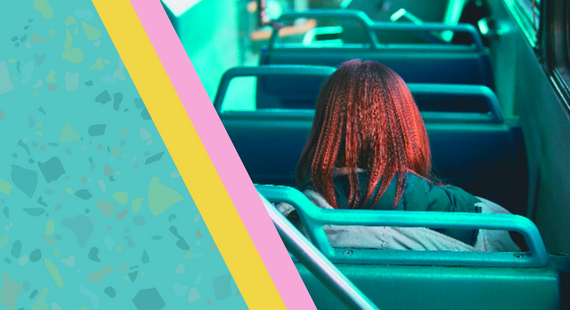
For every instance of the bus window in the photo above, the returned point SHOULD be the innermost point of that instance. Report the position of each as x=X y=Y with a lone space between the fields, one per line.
x=557 y=48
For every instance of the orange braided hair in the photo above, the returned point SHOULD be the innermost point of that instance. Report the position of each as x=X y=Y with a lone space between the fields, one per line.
x=365 y=118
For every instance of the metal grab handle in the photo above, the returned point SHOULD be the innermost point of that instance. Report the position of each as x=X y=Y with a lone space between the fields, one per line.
x=260 y=71
x=314 y=218
x=488 y=28
x=340 y=14
x=317 y=264
x=370 y=26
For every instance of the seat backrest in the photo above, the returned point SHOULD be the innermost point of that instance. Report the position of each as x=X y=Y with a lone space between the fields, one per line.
x=427 y=11
x=444 y=288
x=485 y=159
x=297 y=87
x=472 y=146
x=417 y=63
x=413 y=66
x=419 y=279
x=314 y=219
x=283 y=87
x=482 y=158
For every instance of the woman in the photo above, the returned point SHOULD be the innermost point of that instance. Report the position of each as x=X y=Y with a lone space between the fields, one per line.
x=368 y=149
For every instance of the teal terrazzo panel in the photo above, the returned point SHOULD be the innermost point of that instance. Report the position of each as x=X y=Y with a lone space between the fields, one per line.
x=94 y=213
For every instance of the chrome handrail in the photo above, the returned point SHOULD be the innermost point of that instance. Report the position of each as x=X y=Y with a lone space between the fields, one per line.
x=317 y=263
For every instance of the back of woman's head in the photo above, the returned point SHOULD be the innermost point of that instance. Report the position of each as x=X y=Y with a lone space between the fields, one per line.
x=365 y=119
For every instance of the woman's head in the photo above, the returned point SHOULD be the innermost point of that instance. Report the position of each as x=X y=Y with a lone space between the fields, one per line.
x=365 y=118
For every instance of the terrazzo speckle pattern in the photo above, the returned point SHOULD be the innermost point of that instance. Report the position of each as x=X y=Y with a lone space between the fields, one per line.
x=93 y=213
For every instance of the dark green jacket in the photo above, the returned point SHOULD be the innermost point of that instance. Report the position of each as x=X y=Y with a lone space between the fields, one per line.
x=419 y=195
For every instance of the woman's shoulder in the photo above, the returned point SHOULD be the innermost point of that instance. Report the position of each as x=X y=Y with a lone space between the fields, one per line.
x=435 y=197
x=420 y=194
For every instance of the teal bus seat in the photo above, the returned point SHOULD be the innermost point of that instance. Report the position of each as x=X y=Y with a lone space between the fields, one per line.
x=449 y=288
x=486 y=159
x=314 y=218
x=474 y=148
x=432 y=279
x=443 y=63
x=297 y=87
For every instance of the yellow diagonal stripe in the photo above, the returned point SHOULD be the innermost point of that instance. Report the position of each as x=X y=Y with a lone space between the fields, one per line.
x=189 y=154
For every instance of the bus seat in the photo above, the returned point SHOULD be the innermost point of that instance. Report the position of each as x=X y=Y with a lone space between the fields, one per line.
x=428 y=97
x=416 y=63
x=298 y=86
x=445 y=288
x=395 y=279
x=482 y=158
x=473 y=145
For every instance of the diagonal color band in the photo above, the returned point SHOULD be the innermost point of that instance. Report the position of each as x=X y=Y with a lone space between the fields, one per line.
x=223 y=155
x=188 y=153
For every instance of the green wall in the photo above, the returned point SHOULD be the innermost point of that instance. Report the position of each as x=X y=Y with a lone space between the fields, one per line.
x=209 y=33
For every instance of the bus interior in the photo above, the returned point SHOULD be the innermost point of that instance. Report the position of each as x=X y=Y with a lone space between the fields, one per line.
x=490 y=78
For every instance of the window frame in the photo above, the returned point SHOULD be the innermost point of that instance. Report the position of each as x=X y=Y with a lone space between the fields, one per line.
x=522 y=13
x=556 y=46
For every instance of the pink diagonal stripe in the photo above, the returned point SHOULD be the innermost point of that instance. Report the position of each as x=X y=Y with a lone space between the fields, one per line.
x=222 y=153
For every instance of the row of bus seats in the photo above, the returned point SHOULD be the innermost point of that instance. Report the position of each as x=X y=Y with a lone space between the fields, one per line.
x=473 y=145
x=395 y=280
x=476 y=149
x=439 y=63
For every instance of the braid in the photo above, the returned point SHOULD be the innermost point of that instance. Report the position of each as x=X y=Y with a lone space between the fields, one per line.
x=365 y=118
